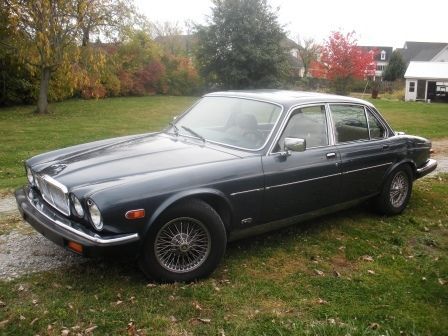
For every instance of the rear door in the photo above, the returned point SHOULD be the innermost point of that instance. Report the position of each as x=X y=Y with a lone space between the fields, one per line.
x=365 y=150
x=302 y=181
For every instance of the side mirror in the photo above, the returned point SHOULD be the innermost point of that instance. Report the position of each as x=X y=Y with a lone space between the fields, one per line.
x=294 y=144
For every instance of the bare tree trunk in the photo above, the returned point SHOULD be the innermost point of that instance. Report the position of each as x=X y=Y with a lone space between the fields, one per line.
x=42 y=103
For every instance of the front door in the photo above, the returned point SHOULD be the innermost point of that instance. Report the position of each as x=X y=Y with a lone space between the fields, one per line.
x=302 y=181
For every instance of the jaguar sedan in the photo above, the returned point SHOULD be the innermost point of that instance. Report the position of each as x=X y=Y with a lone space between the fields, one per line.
x=234 y=164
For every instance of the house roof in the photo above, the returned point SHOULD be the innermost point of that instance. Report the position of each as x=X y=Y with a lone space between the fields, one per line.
x=420 y=51
x=427 y=70
x=388 y=51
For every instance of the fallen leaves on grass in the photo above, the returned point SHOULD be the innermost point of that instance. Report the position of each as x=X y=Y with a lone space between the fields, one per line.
x=196 y=305
x=2 y=304
x=34 y=321
x=318 y=272
x=442 y=281
x=3 y=323
x=367 y=258
x=89 y=330
x=197 y=320
x=321 y=301
x=371 y=272
x=374 y=326
x=336 y=274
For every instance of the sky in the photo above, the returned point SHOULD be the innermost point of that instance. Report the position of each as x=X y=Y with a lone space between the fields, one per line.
x=377 y=22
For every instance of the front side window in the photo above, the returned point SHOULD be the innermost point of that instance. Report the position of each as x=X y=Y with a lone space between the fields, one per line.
x=309 y=123
x=231 y=121
x=350 y=123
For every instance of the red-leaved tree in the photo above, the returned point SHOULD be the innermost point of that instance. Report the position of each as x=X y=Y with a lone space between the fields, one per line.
x=342 y=61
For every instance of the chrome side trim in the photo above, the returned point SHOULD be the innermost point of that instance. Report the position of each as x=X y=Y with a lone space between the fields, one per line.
x=246 y=191
x=67 y=226
x=301 y=181
x=365 y=168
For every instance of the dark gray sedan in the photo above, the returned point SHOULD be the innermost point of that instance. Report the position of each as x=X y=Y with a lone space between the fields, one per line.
x=234 y=164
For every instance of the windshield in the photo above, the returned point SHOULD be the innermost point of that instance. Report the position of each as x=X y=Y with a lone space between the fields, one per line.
x=236 y=122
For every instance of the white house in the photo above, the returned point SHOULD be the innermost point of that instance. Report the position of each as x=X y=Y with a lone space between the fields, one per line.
x=427 y=81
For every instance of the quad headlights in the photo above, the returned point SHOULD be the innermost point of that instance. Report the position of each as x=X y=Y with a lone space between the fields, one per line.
x=95 y=215
x=77 y=206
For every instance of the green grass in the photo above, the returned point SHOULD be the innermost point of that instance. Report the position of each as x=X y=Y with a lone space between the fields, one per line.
x=267 y=285
x=427 y=120
x=24 y=134
x=72 y=122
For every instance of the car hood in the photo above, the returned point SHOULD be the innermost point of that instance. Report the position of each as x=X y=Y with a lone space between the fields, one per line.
x=129 y=158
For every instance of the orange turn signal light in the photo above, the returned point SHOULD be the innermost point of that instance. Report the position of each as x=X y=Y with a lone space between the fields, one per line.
x=135 y=214
x=75 y=247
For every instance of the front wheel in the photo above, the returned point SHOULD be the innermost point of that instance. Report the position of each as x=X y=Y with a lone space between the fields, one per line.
x=396 y=192
x=185 y=244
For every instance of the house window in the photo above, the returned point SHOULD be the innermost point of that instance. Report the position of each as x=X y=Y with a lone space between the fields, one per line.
x=383 y=55
x=411 y=86
x=380 y=67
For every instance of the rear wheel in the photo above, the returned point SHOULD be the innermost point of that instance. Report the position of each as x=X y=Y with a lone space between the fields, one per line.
x=185 y=244
x=396 y=192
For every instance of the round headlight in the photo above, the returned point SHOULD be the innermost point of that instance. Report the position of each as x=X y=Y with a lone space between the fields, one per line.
x=79 y=211
x=30 y=175
x=95 y=215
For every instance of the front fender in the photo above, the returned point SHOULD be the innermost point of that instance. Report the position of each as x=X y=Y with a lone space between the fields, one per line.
x=199 y=193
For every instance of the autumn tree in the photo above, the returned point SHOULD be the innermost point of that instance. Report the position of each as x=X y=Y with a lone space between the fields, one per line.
x=396 y=67
x=342 y=61
x=48 y=32
x=240 y=47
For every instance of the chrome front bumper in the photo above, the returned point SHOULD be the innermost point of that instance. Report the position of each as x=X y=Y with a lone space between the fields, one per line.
x=60 y=229
x=427 y=168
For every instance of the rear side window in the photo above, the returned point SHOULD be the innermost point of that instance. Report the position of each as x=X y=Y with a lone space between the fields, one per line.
x=350 y=123
x=377 y=130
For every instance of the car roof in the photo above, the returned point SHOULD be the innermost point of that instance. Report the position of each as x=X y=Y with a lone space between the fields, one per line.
x=288 y=98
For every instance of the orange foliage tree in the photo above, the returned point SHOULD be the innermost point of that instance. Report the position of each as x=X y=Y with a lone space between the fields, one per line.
x=342 y=61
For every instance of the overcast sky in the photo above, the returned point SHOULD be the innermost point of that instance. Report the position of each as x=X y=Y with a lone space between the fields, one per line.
x=377 y=22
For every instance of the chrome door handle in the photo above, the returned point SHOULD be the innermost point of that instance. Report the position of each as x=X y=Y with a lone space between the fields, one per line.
x=331 y=155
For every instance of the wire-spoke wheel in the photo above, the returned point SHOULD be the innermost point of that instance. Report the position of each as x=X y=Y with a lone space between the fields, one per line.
x=399 y=189
x=182 y=245
x=186 y=243
x=396 y=191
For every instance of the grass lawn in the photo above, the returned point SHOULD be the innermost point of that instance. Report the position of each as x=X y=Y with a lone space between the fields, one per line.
x=24 y=134
x=351 y=273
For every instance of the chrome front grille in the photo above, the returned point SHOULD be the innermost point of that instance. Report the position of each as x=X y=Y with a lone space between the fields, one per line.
x=54 y=193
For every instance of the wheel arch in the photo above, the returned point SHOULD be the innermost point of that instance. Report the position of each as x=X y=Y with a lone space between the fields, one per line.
x=392 y=168
x=214 y=198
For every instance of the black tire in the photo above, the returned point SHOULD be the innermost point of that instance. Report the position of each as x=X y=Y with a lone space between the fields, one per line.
x=396 y=192
x=185 y=244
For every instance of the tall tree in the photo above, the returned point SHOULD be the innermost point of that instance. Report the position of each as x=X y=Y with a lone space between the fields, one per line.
x=308 y=52
x=342 y=61
x=396 y=67
x=48 y=32
x=240 y=48
x=46 y=29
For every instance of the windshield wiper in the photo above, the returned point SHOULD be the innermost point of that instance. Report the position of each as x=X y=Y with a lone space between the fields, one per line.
x=197 y=135
x=176 y=130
